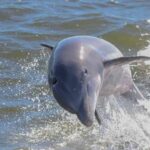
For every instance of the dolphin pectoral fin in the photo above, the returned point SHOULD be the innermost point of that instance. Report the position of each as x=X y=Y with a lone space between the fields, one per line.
x=125 y=60
x=47 y=46
x=97 y=117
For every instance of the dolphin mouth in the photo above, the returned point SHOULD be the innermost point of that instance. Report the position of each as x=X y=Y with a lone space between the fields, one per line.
x=85 y=120
x=88 y=121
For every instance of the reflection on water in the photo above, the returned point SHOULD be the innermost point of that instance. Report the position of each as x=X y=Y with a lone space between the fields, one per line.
x=30 y=119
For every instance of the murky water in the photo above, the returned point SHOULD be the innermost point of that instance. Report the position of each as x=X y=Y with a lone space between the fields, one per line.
x=30 y=119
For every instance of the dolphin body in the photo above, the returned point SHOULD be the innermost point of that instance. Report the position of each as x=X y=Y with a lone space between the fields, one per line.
x=82 y=68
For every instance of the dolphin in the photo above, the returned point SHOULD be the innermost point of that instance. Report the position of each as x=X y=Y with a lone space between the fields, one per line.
x=82 y=68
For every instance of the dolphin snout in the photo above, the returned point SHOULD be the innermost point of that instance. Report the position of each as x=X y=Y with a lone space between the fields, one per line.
x=86 y=112
x=86 y=120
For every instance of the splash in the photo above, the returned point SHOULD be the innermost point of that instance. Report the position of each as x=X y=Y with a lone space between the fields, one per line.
x=125 y=120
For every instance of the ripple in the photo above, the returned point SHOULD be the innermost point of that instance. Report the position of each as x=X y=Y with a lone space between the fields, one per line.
x=128 y=38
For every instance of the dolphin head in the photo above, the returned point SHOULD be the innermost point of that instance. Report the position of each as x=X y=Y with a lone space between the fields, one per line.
x=75 y=77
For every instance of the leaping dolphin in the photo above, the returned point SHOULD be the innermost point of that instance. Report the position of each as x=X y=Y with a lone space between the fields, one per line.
x=81 y=68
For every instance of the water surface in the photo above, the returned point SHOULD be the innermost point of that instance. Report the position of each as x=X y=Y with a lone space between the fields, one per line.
x=30 y=119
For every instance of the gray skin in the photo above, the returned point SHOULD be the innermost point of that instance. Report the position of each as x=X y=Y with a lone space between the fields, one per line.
x=82 y=68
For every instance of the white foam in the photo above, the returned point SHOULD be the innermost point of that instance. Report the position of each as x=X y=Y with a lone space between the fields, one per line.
x=148 y=20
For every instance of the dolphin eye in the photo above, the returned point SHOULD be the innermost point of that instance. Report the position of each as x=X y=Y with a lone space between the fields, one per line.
x=85 y=71
x=54 y=81
x=84 y=74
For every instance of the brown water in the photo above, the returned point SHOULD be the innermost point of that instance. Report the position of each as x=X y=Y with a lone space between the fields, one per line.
x=30 y=119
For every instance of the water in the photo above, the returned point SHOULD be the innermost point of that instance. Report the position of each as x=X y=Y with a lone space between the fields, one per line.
x=30 y=119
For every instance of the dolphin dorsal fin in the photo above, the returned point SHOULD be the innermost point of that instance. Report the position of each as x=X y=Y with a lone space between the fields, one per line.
x=125 y=60
x=47 y=46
